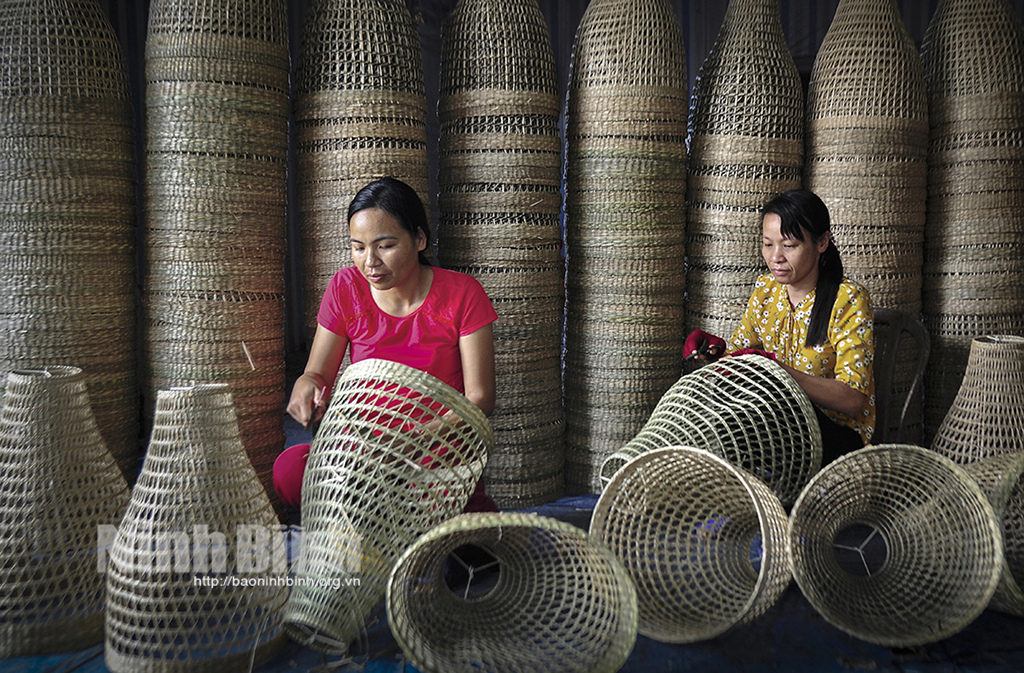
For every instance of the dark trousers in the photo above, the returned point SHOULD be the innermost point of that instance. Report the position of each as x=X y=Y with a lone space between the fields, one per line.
x=836 y=440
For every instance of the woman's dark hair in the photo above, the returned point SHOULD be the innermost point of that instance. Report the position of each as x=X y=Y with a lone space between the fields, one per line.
x=800 y=210
x=398 y=200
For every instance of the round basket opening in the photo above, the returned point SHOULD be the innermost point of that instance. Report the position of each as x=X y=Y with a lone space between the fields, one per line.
x=471 y=572
x=860 y=550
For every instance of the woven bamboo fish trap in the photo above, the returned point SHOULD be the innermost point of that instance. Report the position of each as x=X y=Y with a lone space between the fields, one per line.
x=745 y=409
x=940 y=551
x=987 y=415
x=625 y=214
x=67 y=207
x=360 y=114
x=61 y=484
x=197 y=575
x=398 y=452
x=562 y=602
x=500 y=180
x=973 y=55
x=746 y=129
x=215 y=209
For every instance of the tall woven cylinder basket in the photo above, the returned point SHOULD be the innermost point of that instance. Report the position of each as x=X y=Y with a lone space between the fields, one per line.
x=625 y=210
x=67 y=207
x=500 y=178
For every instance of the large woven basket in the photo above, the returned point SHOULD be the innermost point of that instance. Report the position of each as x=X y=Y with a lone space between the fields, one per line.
x=61 y=487
x=561 y=602
x=942 y=556
x=398 y=452
x=703 y=541
x=67 y=207
x=197 y=576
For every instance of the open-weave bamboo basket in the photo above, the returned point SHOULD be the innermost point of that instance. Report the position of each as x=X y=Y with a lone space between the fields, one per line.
x=973 y=55
x=943 y=545
x=746 y=130
x=561 y=602
x=500 y=178
x=625 y=213
x=987 y=416
x=67 y=207
x=197 y=576
x=61 y=484
x=703 y=541
x=745 y=409
x=398 y=452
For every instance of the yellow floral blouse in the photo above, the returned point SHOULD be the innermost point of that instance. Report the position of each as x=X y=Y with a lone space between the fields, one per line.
x=771 y=324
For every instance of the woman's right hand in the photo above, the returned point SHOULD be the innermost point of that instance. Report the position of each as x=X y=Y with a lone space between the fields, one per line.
x=703 y=346
x=309 y=399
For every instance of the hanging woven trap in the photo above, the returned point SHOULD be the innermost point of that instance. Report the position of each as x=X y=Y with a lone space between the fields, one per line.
x=61 y=486
x=397 y=453
x=556 y=600
x=896 y=545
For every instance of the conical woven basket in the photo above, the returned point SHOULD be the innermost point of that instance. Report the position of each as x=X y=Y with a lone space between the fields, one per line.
x=745 y=409
x=197 y=576
x=703 y=541
x=398 y=452
x=625 y=214
x=746 y=130
x=61 y=485
x=943 y=545
x=67 y=207
x=987 y=416
x=562 y=602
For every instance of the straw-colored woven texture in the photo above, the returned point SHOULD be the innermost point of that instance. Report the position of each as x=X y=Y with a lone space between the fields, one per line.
x=973 y=55
x=562 y=602
x=746 y=130
x=745 y=409
x=67 y=207
x=500 y=178
x=398 y=452
x=625 y=210
x=186 y=591
x=60 y=484
x=360 y=114
x=703 y=541
x=987 y=415
x=214 y=209
x=943 y=547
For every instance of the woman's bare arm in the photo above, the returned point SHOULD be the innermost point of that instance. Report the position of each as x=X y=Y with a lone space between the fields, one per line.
x=477 y=352
x=309 y=395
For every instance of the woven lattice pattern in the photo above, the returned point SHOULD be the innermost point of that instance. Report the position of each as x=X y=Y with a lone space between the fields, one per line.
x=973 y=55
x=55 y=468
x=703 y=541
x=943 y=547
x=67 y=207
x=562 y=602
x=746 y=146
x=500 y=178
x=170 y=606
x=625 y=209
x=987 y=415
x=214 y=206
x=746 y=409
x=360 y=114
x=398 y=452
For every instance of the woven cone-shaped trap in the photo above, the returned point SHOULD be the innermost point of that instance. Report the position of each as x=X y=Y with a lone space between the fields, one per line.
x=61 y=485
x=67 y=207
x=746 y=146
x=360 y=114
x=745 y=409
x=930 y=557
x=973 y=55
x=561 y=601
x=500 y=175
x=625 y=210
x=197 y=575
x=398 y=452
x=987 y=416
x=703 y=541
x=214 y=205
